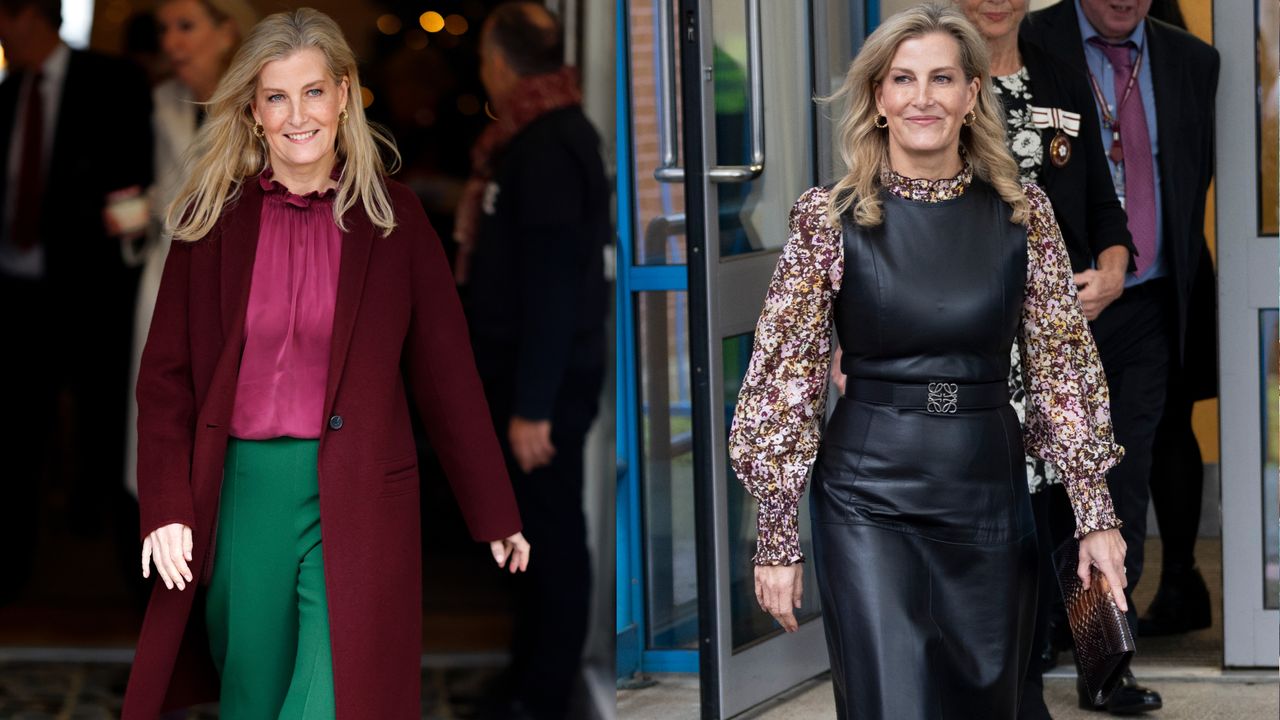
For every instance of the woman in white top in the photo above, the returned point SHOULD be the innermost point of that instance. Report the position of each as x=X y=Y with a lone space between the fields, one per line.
x=198 y=38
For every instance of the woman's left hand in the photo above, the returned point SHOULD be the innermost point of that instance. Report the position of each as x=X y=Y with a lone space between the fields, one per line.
x=1105 y=550
x=512 y=551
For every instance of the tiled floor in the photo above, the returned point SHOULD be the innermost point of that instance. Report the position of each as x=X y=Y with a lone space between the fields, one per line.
x=88 y=691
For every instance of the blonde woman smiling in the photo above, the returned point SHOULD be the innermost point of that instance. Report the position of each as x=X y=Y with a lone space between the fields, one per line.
x=931 y=258
x=303 y=295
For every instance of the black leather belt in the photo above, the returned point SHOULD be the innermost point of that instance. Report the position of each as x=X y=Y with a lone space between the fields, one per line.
x=941 y=397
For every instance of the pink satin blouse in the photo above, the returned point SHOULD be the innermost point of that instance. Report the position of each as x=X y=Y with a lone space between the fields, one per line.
x=289 y=323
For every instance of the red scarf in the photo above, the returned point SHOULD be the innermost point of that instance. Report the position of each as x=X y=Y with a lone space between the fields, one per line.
x=532 y=98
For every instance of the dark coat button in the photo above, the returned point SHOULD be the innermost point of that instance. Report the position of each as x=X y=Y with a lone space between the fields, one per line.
x=335 y=422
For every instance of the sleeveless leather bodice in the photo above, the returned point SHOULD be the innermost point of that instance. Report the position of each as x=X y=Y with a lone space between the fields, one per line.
x=923 y=535
x=934 y=292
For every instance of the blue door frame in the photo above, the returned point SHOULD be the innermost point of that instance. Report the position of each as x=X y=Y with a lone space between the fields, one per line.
x=632 y=654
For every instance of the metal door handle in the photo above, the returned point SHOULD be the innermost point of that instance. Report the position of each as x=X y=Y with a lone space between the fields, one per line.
x=656 y=233
x=669 y=171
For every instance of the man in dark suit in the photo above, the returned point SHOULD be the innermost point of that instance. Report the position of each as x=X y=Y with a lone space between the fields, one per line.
x=1154 y=88
x=75 y=129
x=533 y=221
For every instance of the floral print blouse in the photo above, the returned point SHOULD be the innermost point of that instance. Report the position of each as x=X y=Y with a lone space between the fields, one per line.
x=1015 y=94
x=777 y=426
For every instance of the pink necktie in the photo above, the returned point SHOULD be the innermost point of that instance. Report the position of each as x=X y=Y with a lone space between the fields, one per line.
x=1139 y=176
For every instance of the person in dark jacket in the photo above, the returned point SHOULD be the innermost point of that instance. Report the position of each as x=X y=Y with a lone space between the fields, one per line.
x=75 y=130
x=1053 y=135
x=532 y=227
x=1154 y=88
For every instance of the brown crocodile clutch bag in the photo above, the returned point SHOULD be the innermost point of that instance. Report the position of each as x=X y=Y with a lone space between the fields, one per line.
x=1103 y=640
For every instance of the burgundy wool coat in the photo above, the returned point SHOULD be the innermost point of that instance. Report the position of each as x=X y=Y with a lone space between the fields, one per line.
x=397 y=323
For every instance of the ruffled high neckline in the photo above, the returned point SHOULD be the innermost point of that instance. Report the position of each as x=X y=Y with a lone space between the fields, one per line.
x=272 y=186
x=925 y=190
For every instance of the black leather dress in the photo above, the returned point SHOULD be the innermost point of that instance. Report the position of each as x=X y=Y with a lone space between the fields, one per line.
x=924 y=541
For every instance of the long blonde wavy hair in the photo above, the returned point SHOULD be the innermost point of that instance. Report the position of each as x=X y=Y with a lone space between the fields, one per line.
x=226 y=152
x=865 y=148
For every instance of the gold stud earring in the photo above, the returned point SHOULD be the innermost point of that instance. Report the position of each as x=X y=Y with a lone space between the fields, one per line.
x=258 y=130
x=342 y=117
x=970 y=117
x=878 y=122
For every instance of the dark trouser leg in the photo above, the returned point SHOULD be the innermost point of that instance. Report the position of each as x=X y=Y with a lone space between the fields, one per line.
x=96 y=359
x=1133 y=342
x=1177 y=484
x=1177 y=481
x=28 y=385
x=553 y=598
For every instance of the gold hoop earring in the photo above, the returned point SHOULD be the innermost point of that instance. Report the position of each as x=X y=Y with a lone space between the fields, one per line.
x=342 y=117
x=880 y=125
x=258 y=131
x=970 y=117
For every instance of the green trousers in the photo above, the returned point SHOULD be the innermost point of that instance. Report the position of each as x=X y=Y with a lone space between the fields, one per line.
x=267 y=616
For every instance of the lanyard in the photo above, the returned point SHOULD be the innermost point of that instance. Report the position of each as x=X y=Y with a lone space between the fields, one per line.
x=1110 y=120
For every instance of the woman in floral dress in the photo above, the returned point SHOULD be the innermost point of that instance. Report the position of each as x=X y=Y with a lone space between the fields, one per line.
x=932 y=259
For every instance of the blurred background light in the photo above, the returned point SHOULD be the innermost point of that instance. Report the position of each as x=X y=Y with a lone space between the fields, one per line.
x=431 y=21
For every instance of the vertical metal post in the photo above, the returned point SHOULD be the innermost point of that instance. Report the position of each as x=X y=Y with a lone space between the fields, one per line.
x=629 y=598
x=694 y=86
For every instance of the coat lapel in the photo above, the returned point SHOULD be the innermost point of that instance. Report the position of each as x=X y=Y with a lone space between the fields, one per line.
x=236 y=237
x=239 y=245
x=357 y=243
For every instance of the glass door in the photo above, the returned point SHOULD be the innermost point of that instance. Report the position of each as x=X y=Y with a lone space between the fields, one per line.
x=1248 y=324
x=752 y=136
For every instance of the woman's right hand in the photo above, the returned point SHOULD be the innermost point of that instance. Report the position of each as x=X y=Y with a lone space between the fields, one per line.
x=170 y=547
x=513 y=548
x=778 y=590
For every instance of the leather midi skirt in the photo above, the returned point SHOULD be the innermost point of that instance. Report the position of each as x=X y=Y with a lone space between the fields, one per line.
x=925 y=552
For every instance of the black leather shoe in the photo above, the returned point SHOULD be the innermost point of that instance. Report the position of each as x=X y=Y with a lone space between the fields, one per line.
x=1048 y=658
x=1181 y=605
x=1128 y=699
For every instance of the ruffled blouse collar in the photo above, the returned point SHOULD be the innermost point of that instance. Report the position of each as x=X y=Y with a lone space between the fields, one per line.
x=924 y=190
x=270 y=186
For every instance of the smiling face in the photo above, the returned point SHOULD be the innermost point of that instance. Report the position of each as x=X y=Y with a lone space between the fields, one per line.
x=194 y=43
x=994 y=18
x=925 y=97
x=1115 y=19
x=298 y=104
